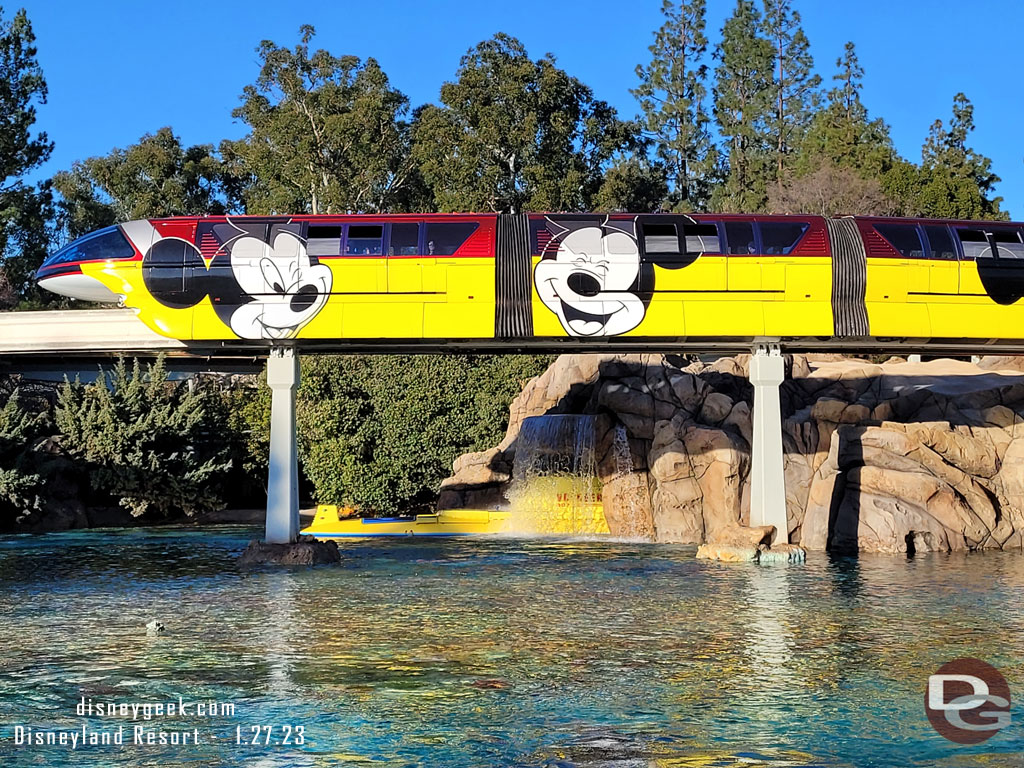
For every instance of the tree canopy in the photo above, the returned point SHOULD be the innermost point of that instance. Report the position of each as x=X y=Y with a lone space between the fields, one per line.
x=25 y=209
x=326 y=135
x=156 y=177
x=515 y=134
x=743 y=106
x=671 y=95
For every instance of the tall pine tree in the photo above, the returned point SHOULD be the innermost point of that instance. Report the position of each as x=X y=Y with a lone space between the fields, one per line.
x=795 y=85
x=956 y=181
x=24 y=208
x=672 y=97
x=842 y=134
x=743 y=108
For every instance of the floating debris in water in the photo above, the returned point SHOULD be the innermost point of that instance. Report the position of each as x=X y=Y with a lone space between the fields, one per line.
x=154 y=627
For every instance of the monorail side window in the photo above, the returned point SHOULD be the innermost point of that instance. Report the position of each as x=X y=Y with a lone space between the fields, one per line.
x=976 y=243
x=405 y=240
x=781 y=237
x=740 y=237
x=364 y=240
x=1009 y=243
x=904 y=238
x=661 y=238
x=940 y=243
x=445 y=238
x=323 y=240
x=701 y=238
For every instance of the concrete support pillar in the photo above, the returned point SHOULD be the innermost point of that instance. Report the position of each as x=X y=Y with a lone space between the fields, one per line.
x=767 y=481
x=283 y=479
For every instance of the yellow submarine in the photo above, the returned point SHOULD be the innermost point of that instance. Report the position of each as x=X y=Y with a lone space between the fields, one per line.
x=553 y=512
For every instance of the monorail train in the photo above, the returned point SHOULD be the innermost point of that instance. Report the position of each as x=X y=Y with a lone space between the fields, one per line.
x=557 y=280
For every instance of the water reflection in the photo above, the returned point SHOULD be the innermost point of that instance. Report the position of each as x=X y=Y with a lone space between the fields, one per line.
x=524 y=653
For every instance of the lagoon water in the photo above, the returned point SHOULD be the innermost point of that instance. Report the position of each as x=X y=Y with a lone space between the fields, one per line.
x=514 y=653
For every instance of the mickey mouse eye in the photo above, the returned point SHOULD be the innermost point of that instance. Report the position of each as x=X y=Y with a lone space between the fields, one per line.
x=304 y=298
x=272 y=275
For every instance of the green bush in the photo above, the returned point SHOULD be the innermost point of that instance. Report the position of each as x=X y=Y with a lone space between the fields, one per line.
x=21 y=479
x=381 y=432
x=154 y=446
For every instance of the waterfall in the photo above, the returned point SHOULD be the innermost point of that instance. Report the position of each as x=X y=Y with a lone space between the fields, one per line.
x=625 y=492
x=555 y=488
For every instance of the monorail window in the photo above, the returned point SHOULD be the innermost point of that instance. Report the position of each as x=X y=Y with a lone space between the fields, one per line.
x=164 y=266
x=1009 y=243
x=445 y=238
x=976 y=244
x=109 y=243
x=291 y=227
x=405 y=240
x=661 y=238
x=701 y=238
x=781 y=237
x=364 y=240
x=904 y=238
x=323 y=240
x=740 y=237
x=940 y=243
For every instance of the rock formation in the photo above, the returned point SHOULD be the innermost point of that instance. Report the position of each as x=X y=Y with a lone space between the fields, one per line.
x=890 y=457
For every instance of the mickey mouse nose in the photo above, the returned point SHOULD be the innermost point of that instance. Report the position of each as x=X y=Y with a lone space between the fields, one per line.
x=584 y=284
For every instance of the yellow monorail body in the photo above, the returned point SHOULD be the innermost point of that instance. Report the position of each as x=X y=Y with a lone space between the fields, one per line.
x=564 y=281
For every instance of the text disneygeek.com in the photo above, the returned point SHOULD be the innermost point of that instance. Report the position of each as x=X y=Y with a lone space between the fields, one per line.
x=149 y=733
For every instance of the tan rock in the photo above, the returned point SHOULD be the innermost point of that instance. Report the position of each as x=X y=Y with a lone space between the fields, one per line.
x=716 y=408
x=727 y=554
x=742 y=536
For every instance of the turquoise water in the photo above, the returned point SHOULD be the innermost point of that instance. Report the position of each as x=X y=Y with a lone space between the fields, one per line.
x=479 y=653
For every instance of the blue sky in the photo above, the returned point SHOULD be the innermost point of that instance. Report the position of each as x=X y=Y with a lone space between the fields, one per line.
x=119 y=69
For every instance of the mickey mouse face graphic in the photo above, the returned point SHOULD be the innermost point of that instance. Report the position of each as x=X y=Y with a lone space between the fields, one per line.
x=591 y=281
x=260 y=287
x=291 y=290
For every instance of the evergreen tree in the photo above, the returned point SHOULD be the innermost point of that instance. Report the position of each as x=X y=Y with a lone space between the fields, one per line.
x=150 y=444
x=795 y=85
x=842 y=133
x=513 y=134
x=956 y=181
x=743 y=107
x=25 y=209
x=672 y=97
x=20 y=478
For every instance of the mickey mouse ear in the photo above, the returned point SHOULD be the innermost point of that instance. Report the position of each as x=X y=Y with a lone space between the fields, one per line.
x=167 y=273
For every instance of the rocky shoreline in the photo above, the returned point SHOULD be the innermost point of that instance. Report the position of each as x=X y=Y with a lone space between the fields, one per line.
x=892 y=457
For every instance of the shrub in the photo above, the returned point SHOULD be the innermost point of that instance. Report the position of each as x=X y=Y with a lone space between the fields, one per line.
x=21 y=478
x=155 y=446
x=381 y=432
